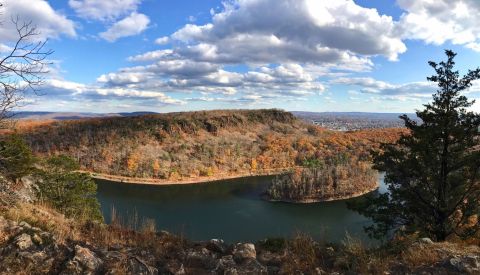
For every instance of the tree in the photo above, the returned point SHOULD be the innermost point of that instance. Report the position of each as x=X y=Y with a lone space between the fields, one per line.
x=433 y=173
x=16 y=158
x=72 y=193
x=22 y=68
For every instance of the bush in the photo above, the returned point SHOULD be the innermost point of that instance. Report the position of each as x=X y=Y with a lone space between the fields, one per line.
x=16 y=159
x=72 y=193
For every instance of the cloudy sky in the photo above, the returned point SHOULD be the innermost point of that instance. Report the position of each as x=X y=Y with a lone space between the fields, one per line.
x=311 y=55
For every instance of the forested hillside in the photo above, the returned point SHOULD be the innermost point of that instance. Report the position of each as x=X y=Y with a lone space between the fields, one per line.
x=207 y=143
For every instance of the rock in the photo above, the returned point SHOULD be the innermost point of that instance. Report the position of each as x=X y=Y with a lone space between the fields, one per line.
x=25 y=225
x=466 y=264
x=203 y=258
x=217 y=245
x=425 y=241
x=242 y=252
x=181 y=271
x=137 y=266
x=225 y=263
x=3 y=224
x=23 y=241
x=249 y=266
x=84 y=262
x=37 y=239
x=330 y=250
x=269 y=258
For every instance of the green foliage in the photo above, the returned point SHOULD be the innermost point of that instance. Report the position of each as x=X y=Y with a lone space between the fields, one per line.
x=16 y=159
x=433 y=173
x=71 y=192
x=313 y=163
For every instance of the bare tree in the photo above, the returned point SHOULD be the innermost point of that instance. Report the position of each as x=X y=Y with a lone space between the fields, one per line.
x=22 y=68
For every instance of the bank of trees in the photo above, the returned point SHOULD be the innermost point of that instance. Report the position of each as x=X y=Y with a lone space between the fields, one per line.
x=334 y=178
x=173 y=146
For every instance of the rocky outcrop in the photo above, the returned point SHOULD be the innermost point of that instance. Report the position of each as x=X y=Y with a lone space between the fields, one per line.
x=28 y=249
x=25 y=248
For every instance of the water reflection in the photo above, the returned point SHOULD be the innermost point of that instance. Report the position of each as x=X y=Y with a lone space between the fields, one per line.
x=229 y=209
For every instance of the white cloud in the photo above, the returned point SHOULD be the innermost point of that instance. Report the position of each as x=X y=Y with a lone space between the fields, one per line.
x=49 y=22
x=103 y=9
x=286 y=45
x=388 y=91
x=162 y=40
x=57 y=89
x=151 y=56
x=293 y=30
x=439 y=21
x=134 y=24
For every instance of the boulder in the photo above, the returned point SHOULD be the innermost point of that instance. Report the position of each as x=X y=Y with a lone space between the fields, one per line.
x=468 y=264
x=225 y=263
x=137 y=266
x=84 y=262
x=269 y=258
x=249 y=266
x=202 y=258
x=425 y=241
x=244 y=251
x=23 y=241
x=217 y=245
x=25 y=225
x=3 y=224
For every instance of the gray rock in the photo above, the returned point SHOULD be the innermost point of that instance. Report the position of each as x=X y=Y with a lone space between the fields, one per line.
x=84 y=262
x=225 y=263
x=466 y=264
x=23 y=241
x=25 y=225
x=217 y=245
x=202 y=258
x=37 y=239
x=245 y=251
x=3 y=224
x=269 y=258
x=249 y=266
x=137 y=266
x=425 y=241
x=181 y=271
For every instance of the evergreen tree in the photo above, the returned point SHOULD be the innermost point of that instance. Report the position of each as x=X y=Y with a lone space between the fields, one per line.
x=16 y=158
x=71 y=192
x=432 y=173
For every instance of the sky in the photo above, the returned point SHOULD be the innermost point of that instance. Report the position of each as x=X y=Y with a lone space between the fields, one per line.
x=297 y=55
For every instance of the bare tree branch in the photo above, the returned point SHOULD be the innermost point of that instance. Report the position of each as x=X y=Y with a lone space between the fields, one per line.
x=22 y=68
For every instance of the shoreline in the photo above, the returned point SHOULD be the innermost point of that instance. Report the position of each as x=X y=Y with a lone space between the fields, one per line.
x=200 y=180
x=192 y=180
x=339 y=198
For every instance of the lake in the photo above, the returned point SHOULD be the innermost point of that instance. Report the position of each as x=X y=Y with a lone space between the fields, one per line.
x=229 y=209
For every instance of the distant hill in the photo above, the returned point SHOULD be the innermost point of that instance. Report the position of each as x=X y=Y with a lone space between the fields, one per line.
x=176 y=146
x=71 y=115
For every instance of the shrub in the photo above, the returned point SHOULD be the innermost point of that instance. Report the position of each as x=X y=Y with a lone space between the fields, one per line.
x=71 y=192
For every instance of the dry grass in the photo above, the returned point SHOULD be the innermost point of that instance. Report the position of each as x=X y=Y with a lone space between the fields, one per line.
x=302 y=255
x=45 y=218
x=418 y=256
x=133 y=232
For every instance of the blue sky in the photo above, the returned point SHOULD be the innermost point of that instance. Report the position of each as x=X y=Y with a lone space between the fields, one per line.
x=309 y=55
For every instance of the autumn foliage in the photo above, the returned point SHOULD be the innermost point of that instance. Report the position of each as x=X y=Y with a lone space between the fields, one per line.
x=181 y=145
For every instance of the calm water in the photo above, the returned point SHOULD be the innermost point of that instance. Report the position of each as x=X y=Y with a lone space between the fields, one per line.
x=229 y=209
